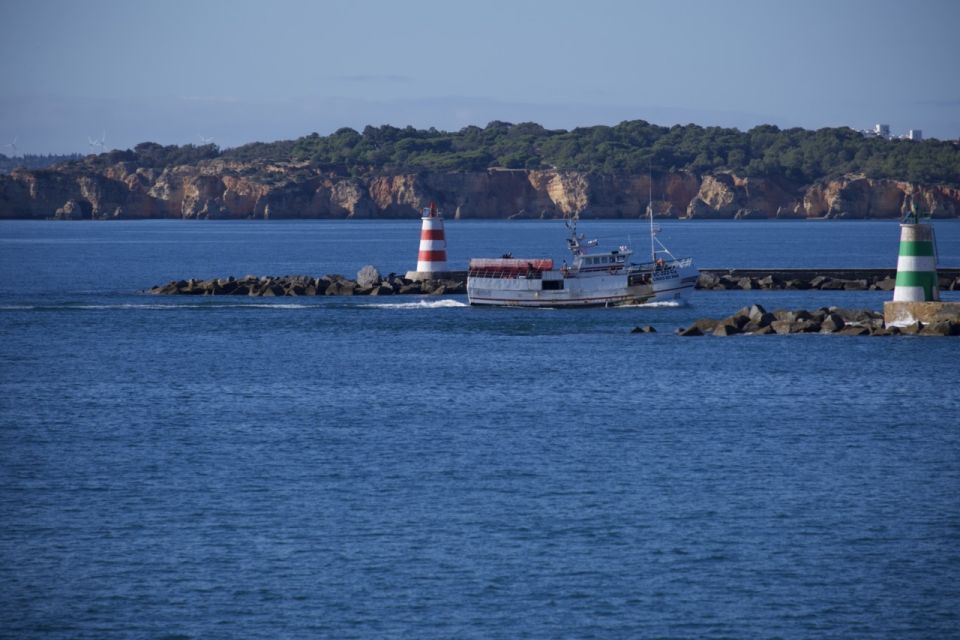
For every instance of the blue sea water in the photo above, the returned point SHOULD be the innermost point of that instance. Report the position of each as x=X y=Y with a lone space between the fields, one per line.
x=415 y=467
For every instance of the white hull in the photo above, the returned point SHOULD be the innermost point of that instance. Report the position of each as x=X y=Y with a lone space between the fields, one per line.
x=555 y=289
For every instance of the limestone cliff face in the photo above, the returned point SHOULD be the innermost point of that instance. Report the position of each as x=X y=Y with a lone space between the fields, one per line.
x=859 y=197
x=729 y=196
x=221 y=189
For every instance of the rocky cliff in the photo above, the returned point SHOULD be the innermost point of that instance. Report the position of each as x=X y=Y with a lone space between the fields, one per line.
x=237 y=190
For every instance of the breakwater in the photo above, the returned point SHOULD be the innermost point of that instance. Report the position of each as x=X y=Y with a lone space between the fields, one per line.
x=825 y=279
x=755 y=320
x=370 y=282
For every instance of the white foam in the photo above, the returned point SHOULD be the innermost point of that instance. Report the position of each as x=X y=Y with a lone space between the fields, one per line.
x=664 y=303
x=661 y=304
x=286 y=305
x=421 y=304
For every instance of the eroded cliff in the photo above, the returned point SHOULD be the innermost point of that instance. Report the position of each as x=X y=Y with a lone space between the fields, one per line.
x=224 y=189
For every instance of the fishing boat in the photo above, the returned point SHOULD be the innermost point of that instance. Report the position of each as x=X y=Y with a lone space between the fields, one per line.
x=594 y=278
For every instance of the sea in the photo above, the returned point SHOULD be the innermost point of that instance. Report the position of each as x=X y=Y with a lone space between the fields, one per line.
x=414 y=467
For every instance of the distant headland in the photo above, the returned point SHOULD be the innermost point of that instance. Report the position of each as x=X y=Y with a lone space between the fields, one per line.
x=505 y=170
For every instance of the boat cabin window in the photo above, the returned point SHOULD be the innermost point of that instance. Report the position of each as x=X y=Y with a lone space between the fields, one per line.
x=552 y=285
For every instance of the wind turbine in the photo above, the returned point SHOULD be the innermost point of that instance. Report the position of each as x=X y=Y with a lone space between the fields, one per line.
x=13 y=146
x=205 y=140
x=101 y=143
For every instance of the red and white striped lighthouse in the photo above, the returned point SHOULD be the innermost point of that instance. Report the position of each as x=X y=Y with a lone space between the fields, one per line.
x=433 y=244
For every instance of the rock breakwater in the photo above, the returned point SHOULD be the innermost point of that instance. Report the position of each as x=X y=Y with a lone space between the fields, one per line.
x=755 y=320
x=368 y=283
x=823 y=279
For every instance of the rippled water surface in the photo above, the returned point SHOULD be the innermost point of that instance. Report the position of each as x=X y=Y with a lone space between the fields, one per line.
x=414 y=467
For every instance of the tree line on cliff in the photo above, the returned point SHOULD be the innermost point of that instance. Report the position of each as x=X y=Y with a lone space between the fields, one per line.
x=636 y=146
x=34 y=161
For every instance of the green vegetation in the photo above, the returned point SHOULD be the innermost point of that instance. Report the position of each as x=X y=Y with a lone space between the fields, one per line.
x=796 y=155
x=151 y=154
x=34 y=161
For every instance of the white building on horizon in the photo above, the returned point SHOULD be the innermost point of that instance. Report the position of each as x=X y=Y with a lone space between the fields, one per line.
x=883 y=131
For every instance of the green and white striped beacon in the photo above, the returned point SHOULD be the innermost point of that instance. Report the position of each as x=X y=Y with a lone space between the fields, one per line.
x=917 y=263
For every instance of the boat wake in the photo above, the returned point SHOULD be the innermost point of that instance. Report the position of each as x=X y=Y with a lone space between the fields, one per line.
x=660 y=304
x=421 y=304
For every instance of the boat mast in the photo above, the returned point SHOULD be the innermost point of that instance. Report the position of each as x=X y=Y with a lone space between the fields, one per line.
x=653 y=248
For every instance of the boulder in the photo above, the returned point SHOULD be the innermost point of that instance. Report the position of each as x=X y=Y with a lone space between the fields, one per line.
x=832 y=322
x=853 y=330
x=855 y=285
x=739 y=320
x=382 y=290
x=941 y=328
x=726 y=330
x=769 y=282
x=887 y=284
x=368 y=276
x=341 y=287
x=785 y=315
x=413 y=288
x=783 y=327
x=831 y=284
x=706 y=325
x=763 y=331
x=644 y=329
x=819 y=314
x=886 y=331
x=707 y=280
x=692 y=330
x=755 y=312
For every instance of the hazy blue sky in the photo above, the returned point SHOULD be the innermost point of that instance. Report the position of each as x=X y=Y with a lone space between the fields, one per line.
x=173 y=71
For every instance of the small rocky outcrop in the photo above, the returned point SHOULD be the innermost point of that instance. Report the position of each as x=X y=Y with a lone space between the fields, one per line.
x=302 y=285
x=755 y=320
x=73 y=210
x=644 y=329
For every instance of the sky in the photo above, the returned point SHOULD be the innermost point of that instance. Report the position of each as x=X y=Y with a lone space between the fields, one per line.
x=179 y=71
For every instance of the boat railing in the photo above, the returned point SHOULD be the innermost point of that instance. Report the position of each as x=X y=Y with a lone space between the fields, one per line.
x=661 y=265
x=505 y=274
